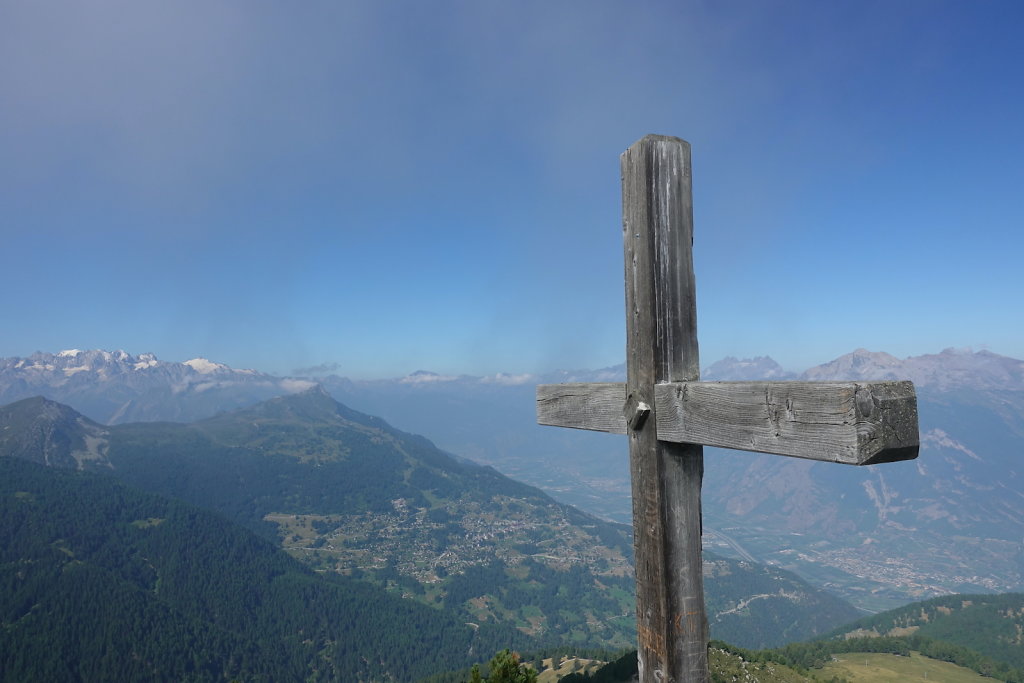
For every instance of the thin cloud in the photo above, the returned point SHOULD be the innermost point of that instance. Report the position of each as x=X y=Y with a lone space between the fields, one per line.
x=318 y=370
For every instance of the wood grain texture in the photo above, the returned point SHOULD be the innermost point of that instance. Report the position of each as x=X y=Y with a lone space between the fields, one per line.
x=661 y=346
x=854 y=423
x=597 y=407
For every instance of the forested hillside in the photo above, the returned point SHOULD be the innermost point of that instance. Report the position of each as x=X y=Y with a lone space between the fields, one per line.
x=103 y=582
x=776 y=606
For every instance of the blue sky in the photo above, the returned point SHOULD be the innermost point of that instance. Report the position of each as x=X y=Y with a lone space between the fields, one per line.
x=390 y=186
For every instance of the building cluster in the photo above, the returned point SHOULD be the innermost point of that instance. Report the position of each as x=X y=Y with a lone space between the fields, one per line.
x=428 y=547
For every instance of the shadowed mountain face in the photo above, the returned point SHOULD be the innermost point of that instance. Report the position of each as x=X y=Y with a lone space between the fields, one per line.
x=52 y=434
x=346 y=493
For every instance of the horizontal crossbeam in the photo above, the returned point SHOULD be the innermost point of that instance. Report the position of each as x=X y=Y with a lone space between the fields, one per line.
x=855 y=423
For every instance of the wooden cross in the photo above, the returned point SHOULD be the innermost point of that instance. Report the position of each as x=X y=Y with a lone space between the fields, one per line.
x=670 y=415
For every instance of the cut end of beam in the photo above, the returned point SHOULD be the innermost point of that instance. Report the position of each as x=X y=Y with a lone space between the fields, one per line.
x=886 y=421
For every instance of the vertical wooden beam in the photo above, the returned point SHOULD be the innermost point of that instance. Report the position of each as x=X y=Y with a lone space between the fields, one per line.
x=661 y=346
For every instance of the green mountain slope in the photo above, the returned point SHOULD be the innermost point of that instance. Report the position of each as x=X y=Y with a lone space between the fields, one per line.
x=369 y=500
x=755 y=606
x=103 y=582
x=728 y=665
x=346 y=493
x=992 y=625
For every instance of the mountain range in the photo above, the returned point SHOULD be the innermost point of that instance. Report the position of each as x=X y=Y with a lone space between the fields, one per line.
x=346 y=493
x=952 y=520
x=111 y=387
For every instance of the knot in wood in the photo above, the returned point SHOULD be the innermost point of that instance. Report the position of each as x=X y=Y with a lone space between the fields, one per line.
x=865 y=400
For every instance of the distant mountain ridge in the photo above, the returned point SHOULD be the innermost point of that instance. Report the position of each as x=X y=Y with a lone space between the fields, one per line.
x=950 y=370
x=733 y=369
x=111 y=387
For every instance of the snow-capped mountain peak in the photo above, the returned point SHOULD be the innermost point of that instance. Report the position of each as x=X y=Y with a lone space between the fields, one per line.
x=115 y=386
x=204 y=366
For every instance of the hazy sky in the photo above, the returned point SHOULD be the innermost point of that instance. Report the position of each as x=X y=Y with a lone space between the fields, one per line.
x=390 y=186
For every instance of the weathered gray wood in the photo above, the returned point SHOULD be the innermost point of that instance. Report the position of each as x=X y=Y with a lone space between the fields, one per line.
x=855 y=423
x=597 y=406
x=661 y=346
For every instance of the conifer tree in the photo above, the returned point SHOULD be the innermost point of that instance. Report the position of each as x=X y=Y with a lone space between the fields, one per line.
x=505 y=667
